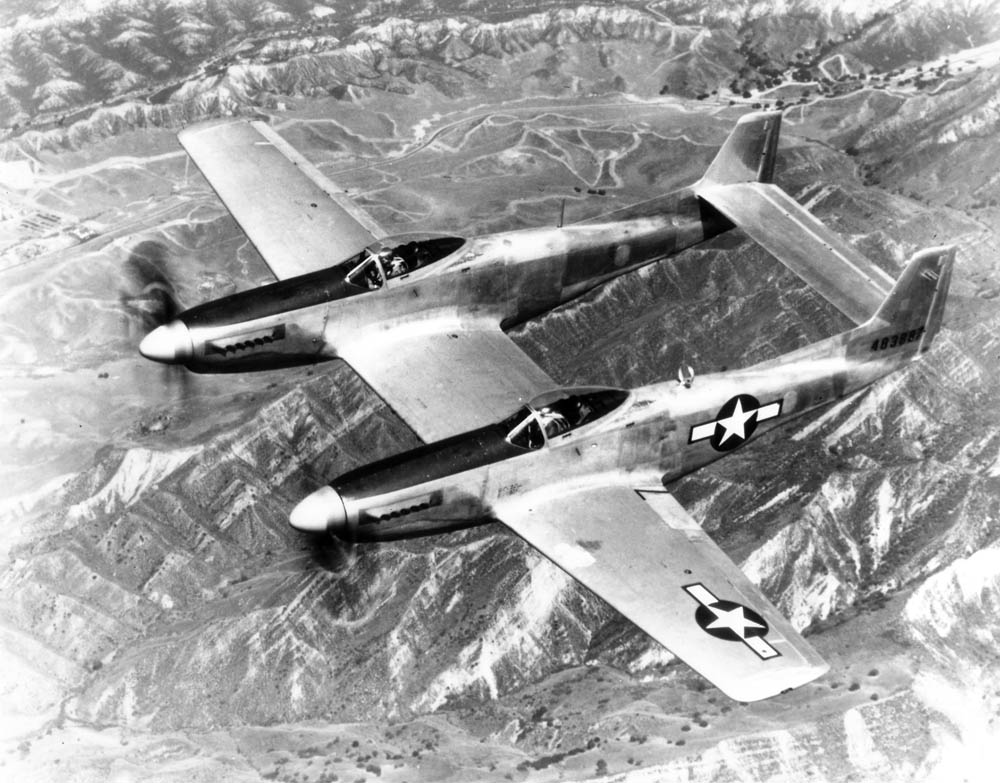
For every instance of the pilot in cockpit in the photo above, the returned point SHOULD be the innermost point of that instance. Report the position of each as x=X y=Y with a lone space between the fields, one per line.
x=392 y=263
x=553 y=422
x=397 y=267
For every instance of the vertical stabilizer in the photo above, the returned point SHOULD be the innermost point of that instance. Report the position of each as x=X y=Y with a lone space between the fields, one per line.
x=748 y=154
x=909 y=318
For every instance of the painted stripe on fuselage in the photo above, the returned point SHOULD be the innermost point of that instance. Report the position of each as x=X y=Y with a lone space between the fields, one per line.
x=703 y=431
x=769 y=411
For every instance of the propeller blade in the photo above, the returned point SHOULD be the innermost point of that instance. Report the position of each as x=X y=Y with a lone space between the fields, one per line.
x=148 y=297
x=147 y=292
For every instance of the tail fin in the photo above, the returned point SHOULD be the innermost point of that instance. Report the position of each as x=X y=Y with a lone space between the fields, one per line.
x=909 y=318
x=749 y=152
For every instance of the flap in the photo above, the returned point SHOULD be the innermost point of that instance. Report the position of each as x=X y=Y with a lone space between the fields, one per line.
x=298 y=220
x=642 y=552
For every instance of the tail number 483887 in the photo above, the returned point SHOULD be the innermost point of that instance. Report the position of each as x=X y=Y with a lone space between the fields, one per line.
x=896 y=340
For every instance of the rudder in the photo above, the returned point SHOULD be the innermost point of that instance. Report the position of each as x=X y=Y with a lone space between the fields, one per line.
x=749 y=153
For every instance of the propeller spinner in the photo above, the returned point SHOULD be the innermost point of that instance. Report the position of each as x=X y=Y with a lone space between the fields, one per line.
x=169 y=344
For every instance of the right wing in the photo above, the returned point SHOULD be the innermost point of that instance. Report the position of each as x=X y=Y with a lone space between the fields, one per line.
x=298 y=220
x=447 y=379
x=776 y=222
x=641 y=552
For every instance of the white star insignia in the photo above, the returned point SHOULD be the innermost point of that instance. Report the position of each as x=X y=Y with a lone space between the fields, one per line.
x=734 y=619
x=735 y=425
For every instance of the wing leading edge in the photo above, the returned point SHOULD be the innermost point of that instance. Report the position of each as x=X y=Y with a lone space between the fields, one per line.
x=298 y=220
x=643 y=553
x=449 y=380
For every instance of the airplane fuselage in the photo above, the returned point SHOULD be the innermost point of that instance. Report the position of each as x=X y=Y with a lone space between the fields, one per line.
x=504 y=278
x=653 y=435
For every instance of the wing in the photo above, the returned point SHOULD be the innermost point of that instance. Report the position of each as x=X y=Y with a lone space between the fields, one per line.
x=775 y=221
x=297 y=219
x=643 y=554
x=443 y=383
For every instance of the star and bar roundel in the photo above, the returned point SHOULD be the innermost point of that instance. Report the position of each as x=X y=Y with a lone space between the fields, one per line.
x=730 y=621
x=735 y=422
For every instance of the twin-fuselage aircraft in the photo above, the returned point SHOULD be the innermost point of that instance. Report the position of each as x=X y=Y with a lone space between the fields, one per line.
x=578 y=473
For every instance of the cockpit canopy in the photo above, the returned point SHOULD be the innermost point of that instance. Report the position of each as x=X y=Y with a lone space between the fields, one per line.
x=558 y=412
x=397 y=257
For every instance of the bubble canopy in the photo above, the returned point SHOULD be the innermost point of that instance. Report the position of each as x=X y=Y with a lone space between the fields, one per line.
x=397 y=256
x=559 y=412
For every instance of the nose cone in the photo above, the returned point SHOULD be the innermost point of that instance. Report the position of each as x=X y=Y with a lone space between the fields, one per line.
x=321 y=511
x=170 y=343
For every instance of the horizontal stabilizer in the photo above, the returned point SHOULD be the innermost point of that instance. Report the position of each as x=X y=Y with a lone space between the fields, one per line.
x=775 y=221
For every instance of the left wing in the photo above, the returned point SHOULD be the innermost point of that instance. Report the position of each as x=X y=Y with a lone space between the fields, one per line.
x=447 y=381
x=298 y=220
x=643 y=554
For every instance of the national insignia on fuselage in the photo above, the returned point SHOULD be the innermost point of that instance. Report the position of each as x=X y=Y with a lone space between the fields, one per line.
x=735 y=422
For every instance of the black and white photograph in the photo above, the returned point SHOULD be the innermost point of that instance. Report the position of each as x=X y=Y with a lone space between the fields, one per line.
x=445 y=391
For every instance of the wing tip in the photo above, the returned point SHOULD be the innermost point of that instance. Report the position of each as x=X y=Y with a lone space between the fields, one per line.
x=195 y=129
x=757 y=116
x=767 y=685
